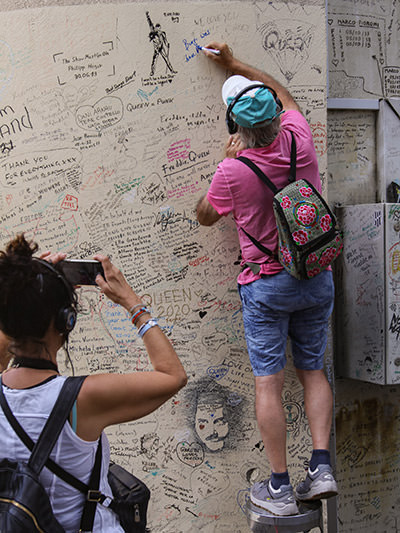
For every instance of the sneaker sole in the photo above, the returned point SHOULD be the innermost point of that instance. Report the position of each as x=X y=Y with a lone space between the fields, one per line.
x=281 y=512
x=318 y=493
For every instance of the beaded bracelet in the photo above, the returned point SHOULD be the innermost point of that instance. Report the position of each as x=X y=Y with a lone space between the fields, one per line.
x=139 y=313
x=135 y=307
x=146 y=326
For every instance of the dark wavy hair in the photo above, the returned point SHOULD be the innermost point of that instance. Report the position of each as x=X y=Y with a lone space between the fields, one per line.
x=31 y=295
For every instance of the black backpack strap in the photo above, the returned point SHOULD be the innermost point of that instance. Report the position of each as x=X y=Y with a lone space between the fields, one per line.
x=259 y=173
x=272 y=186
x=61 y=409
x=264 y=177
x=94 y=495
x=257 y=170
x=274 y=190
x=293 y=159
x=259 y=245
x=55 y=422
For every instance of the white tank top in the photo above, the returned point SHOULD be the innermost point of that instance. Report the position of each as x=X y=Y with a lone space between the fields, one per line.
x=32 y=407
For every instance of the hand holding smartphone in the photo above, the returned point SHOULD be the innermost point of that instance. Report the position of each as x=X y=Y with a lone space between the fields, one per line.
x=81 y=271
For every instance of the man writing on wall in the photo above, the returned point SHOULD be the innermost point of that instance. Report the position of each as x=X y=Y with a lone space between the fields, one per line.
x=275 y=304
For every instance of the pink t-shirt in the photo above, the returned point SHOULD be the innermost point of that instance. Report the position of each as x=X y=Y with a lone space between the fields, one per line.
x=236 y=189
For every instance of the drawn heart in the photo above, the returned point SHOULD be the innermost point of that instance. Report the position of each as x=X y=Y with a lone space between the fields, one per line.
x=217 y=372
x=335 y=62
x=104 y=113
x=207 y=482
x=191 y=454
x=202 y=314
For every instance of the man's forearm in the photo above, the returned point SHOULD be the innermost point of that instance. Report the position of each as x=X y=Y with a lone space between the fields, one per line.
x=252 y=73
x=206 y=214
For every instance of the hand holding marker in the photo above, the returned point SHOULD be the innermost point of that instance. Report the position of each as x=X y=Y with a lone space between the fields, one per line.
x=212 y=50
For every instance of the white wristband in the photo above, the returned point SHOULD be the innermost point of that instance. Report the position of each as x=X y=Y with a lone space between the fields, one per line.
x=146 y=326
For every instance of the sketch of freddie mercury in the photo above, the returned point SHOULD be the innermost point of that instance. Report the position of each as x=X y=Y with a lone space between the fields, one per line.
x=214 y=413
x=161 y=45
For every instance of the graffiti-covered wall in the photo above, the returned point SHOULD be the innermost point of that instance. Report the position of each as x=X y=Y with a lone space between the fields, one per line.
x=363 y=48
x=111 y=127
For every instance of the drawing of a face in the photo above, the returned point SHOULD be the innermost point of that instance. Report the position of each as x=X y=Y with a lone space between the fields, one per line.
x=150 y=444
x=214 y=413
x=210 y=425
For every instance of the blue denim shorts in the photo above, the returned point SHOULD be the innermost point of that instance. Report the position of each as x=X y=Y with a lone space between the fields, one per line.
x=278 y=306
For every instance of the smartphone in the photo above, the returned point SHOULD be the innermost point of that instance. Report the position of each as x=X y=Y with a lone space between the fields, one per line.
x=81 y=271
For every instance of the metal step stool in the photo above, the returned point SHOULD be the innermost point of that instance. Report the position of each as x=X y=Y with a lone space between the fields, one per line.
x=261 y=521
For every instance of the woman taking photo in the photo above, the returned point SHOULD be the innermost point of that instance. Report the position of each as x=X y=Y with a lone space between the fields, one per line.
x=38 y=308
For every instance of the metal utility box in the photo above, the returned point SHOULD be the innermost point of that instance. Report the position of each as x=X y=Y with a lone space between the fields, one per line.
x=368 y=293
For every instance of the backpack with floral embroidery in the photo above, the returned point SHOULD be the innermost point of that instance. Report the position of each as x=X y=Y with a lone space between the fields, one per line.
x=309 y=240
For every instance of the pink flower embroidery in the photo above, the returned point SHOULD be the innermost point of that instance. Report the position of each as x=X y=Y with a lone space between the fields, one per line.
x=286 y=202
x=305 y=191
x=327 y=256
x=312 y=258
x=300 y=236
x=326 y=223
x=306 y=214
x=313 y=272
x=339 y=240
x=286 y=255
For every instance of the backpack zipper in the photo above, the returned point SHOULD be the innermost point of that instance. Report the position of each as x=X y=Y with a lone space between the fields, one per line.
x=137 y=512
x=25 y=510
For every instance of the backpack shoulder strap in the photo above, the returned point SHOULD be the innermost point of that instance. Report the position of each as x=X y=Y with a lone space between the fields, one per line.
x=260 y=246
x=259 y=173
x=293 y=159
x=89 y=508
x=54 y=424
x=257 y=170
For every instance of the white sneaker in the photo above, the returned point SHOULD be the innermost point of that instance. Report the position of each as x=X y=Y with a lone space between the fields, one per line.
x=279 y=502
x=319 y=484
